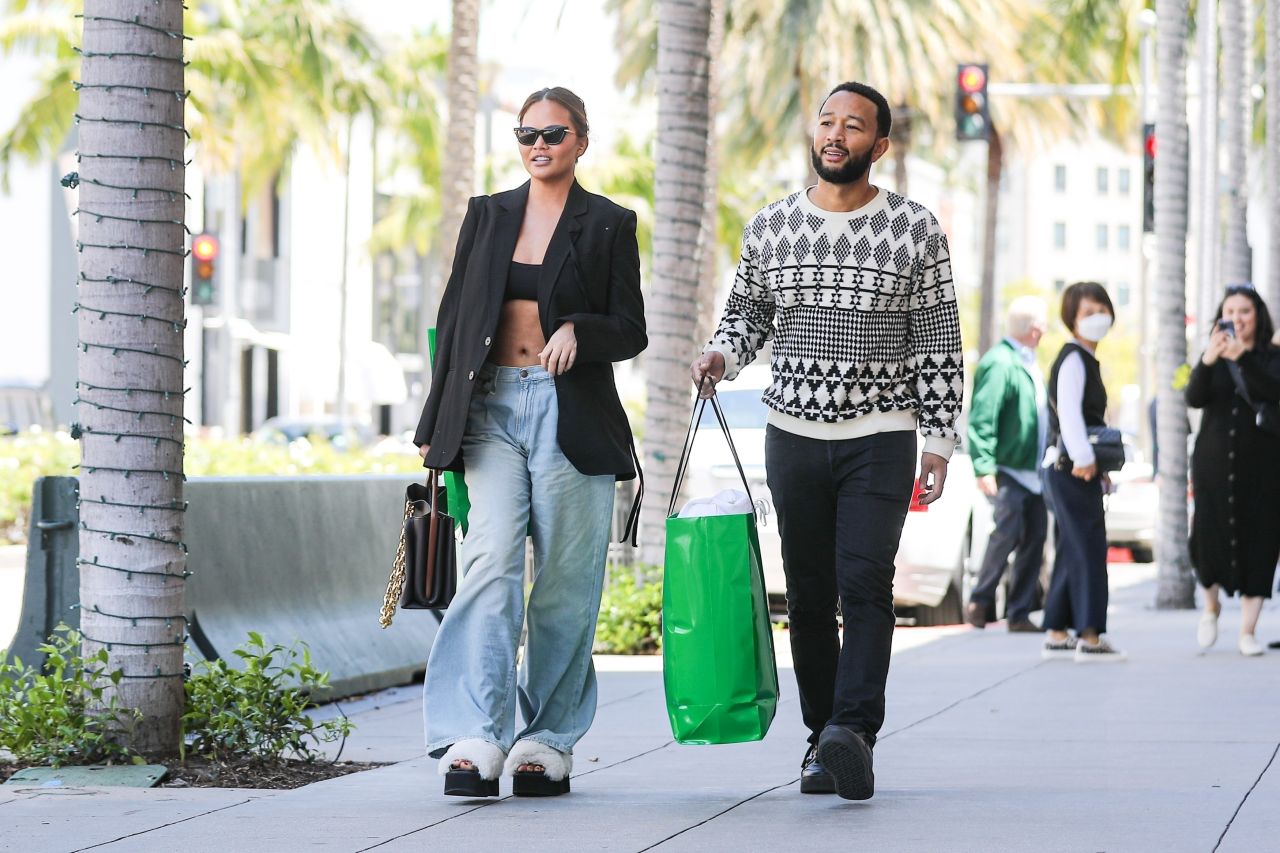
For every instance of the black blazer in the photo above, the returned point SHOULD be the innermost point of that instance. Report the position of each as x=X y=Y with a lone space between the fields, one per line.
x=590 y=276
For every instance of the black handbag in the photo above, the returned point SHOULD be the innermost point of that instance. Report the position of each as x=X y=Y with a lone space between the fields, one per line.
x=424 y=575
x=1107 y=444
x=1266 y=415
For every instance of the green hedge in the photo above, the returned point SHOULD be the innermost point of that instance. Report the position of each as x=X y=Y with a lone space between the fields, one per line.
x=630 y=620
x=28 y=456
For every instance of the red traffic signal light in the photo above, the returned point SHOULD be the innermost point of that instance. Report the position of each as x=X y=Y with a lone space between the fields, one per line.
x=971 y=78
x=205 y=247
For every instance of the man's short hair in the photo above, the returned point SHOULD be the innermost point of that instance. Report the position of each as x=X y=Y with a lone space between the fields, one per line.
x=1024 y=312
x=884 y=118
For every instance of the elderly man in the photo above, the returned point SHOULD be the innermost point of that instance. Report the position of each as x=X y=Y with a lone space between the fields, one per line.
x=1006 y=438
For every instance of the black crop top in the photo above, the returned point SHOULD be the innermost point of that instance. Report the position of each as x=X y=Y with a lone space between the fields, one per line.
x=522 y=281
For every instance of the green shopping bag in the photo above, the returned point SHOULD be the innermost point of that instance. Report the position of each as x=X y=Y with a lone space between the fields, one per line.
x=718 y=666
x=454 y=485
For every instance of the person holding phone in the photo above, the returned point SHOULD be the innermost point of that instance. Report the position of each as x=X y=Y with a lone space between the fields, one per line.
x=1078 y=594
x=1235 y=466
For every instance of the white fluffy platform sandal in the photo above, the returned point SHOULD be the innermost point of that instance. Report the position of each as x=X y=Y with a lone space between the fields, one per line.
x=551 y=781
x=481 y=779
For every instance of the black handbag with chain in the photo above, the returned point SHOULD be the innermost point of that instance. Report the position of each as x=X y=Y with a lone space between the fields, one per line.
x=425 y=573
x=1266 y=415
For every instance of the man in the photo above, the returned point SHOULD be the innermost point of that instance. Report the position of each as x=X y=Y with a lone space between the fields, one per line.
x=1006 y=440
x=853 y=285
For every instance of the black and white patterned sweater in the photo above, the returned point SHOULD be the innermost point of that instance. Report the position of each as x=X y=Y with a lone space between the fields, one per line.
x=862 y=313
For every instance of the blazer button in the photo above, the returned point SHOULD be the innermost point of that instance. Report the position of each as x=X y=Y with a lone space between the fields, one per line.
x=488 y=341
x=471 y=375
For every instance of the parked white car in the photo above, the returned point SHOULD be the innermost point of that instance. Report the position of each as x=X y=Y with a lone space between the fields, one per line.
x=1131 y=507
x=940 y=550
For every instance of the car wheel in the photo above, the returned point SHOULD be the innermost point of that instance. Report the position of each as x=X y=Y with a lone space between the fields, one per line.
x=949 y=611
x=1143 y=554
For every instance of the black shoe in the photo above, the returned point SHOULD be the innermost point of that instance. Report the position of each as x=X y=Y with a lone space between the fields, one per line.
x=846 y=756
x=814 y=778
x=976 y=615
x=1024 y=626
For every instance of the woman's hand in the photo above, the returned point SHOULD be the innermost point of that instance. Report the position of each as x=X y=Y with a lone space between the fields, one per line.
x=424 y=450
x=1217 y=344
x=560 y=352
x=1233 y=349
x=1086 y=472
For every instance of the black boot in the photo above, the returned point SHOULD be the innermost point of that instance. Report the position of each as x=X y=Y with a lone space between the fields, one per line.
x=847 y=757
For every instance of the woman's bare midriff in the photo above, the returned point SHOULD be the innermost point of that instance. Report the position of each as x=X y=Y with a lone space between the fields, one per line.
x=519 y=338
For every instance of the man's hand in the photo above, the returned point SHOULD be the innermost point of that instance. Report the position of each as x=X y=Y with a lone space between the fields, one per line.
x=561 y=351
x=709 y=364
x=424 y=450
x=1086 y=472
x=987 y=485
x=932 y=467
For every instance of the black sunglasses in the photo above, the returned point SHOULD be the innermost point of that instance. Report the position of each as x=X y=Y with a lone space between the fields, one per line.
x=552 y=133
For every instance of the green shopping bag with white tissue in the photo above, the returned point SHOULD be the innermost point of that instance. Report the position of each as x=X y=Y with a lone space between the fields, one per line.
x=719 y=672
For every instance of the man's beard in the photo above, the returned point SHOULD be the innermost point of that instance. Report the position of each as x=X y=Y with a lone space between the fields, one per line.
x=854 y=169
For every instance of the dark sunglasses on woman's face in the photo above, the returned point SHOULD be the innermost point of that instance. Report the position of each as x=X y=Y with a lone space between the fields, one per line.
x=552 y=133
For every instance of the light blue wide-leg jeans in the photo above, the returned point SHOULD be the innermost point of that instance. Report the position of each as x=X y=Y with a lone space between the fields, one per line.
x=518 y=481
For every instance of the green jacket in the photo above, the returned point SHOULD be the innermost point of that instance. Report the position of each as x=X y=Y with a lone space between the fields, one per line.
x=1003 y=416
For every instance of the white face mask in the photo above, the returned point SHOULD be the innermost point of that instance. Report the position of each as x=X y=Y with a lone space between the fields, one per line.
x=1094 y=327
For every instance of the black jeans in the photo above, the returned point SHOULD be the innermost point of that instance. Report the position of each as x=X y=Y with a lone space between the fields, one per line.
x=1078 y=593
x=841 y=505
x=1021 y=525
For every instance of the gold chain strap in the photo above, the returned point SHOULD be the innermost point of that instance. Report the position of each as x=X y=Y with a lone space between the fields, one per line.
x=395 y=583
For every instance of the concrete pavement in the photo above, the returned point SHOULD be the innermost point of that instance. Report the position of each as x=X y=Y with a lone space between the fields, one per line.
x=985 y=747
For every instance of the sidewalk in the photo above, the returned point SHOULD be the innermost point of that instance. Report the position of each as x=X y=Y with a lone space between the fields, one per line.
x=985 y=747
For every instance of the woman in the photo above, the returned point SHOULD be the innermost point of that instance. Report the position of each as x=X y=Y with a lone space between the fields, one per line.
x=544 y=295
x=1235 y=468
x=1077 y=597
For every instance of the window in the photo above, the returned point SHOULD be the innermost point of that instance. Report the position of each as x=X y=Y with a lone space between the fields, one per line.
x=1103 y=234
x=1060 y=178
x=1122 y=237
x=1122 y=181
x=1059 y=285
x=1102 y=180
x=1059 y=235
x=1122 y=293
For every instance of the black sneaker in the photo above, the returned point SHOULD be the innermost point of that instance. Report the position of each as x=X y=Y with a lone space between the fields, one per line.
x=814 y=778
x=847 y=757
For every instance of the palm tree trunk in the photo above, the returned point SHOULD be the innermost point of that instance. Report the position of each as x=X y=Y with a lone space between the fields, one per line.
x=900 y=139
x=1236 y=257
x=987 y=307
x=1176 y=585
x=462 y=90
x=1209 y=202
x=709 y=284
x=684 y=125
x=130 y=320
x=1273 y=156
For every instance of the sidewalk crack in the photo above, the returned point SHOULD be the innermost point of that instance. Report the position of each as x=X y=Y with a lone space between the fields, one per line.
x=169 y=824
x=1245 y=799
x=962 y=700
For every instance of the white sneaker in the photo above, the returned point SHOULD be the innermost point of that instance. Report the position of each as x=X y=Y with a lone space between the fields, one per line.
x=1207 y=632
x=1099 y=652
x=1059 y=651
x=1250 y=647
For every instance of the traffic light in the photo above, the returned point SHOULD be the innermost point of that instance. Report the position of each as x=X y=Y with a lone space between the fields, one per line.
x=204 y=257
x=973 y=114
x=1148 y=178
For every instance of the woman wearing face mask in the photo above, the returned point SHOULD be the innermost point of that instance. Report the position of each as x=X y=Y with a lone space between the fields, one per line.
x=1077 y=596
x=544 y=296
x=1235 y=468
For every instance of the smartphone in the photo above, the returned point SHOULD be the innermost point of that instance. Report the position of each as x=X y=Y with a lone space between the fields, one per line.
x=1228 y=326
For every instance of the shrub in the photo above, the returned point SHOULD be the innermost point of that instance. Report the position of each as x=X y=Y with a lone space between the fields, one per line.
x=58 y=716
x=258 y=713
x=630 y=613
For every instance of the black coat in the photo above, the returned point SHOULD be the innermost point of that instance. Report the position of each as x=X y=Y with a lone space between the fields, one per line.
x=1235 y=472
x=590 y=276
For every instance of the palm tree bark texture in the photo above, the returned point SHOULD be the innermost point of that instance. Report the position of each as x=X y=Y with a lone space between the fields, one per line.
x=680 y=191
x=130 y=308
x=1272 y=294
x=1236 y=255
x=462 y=91
x=1176 y=584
